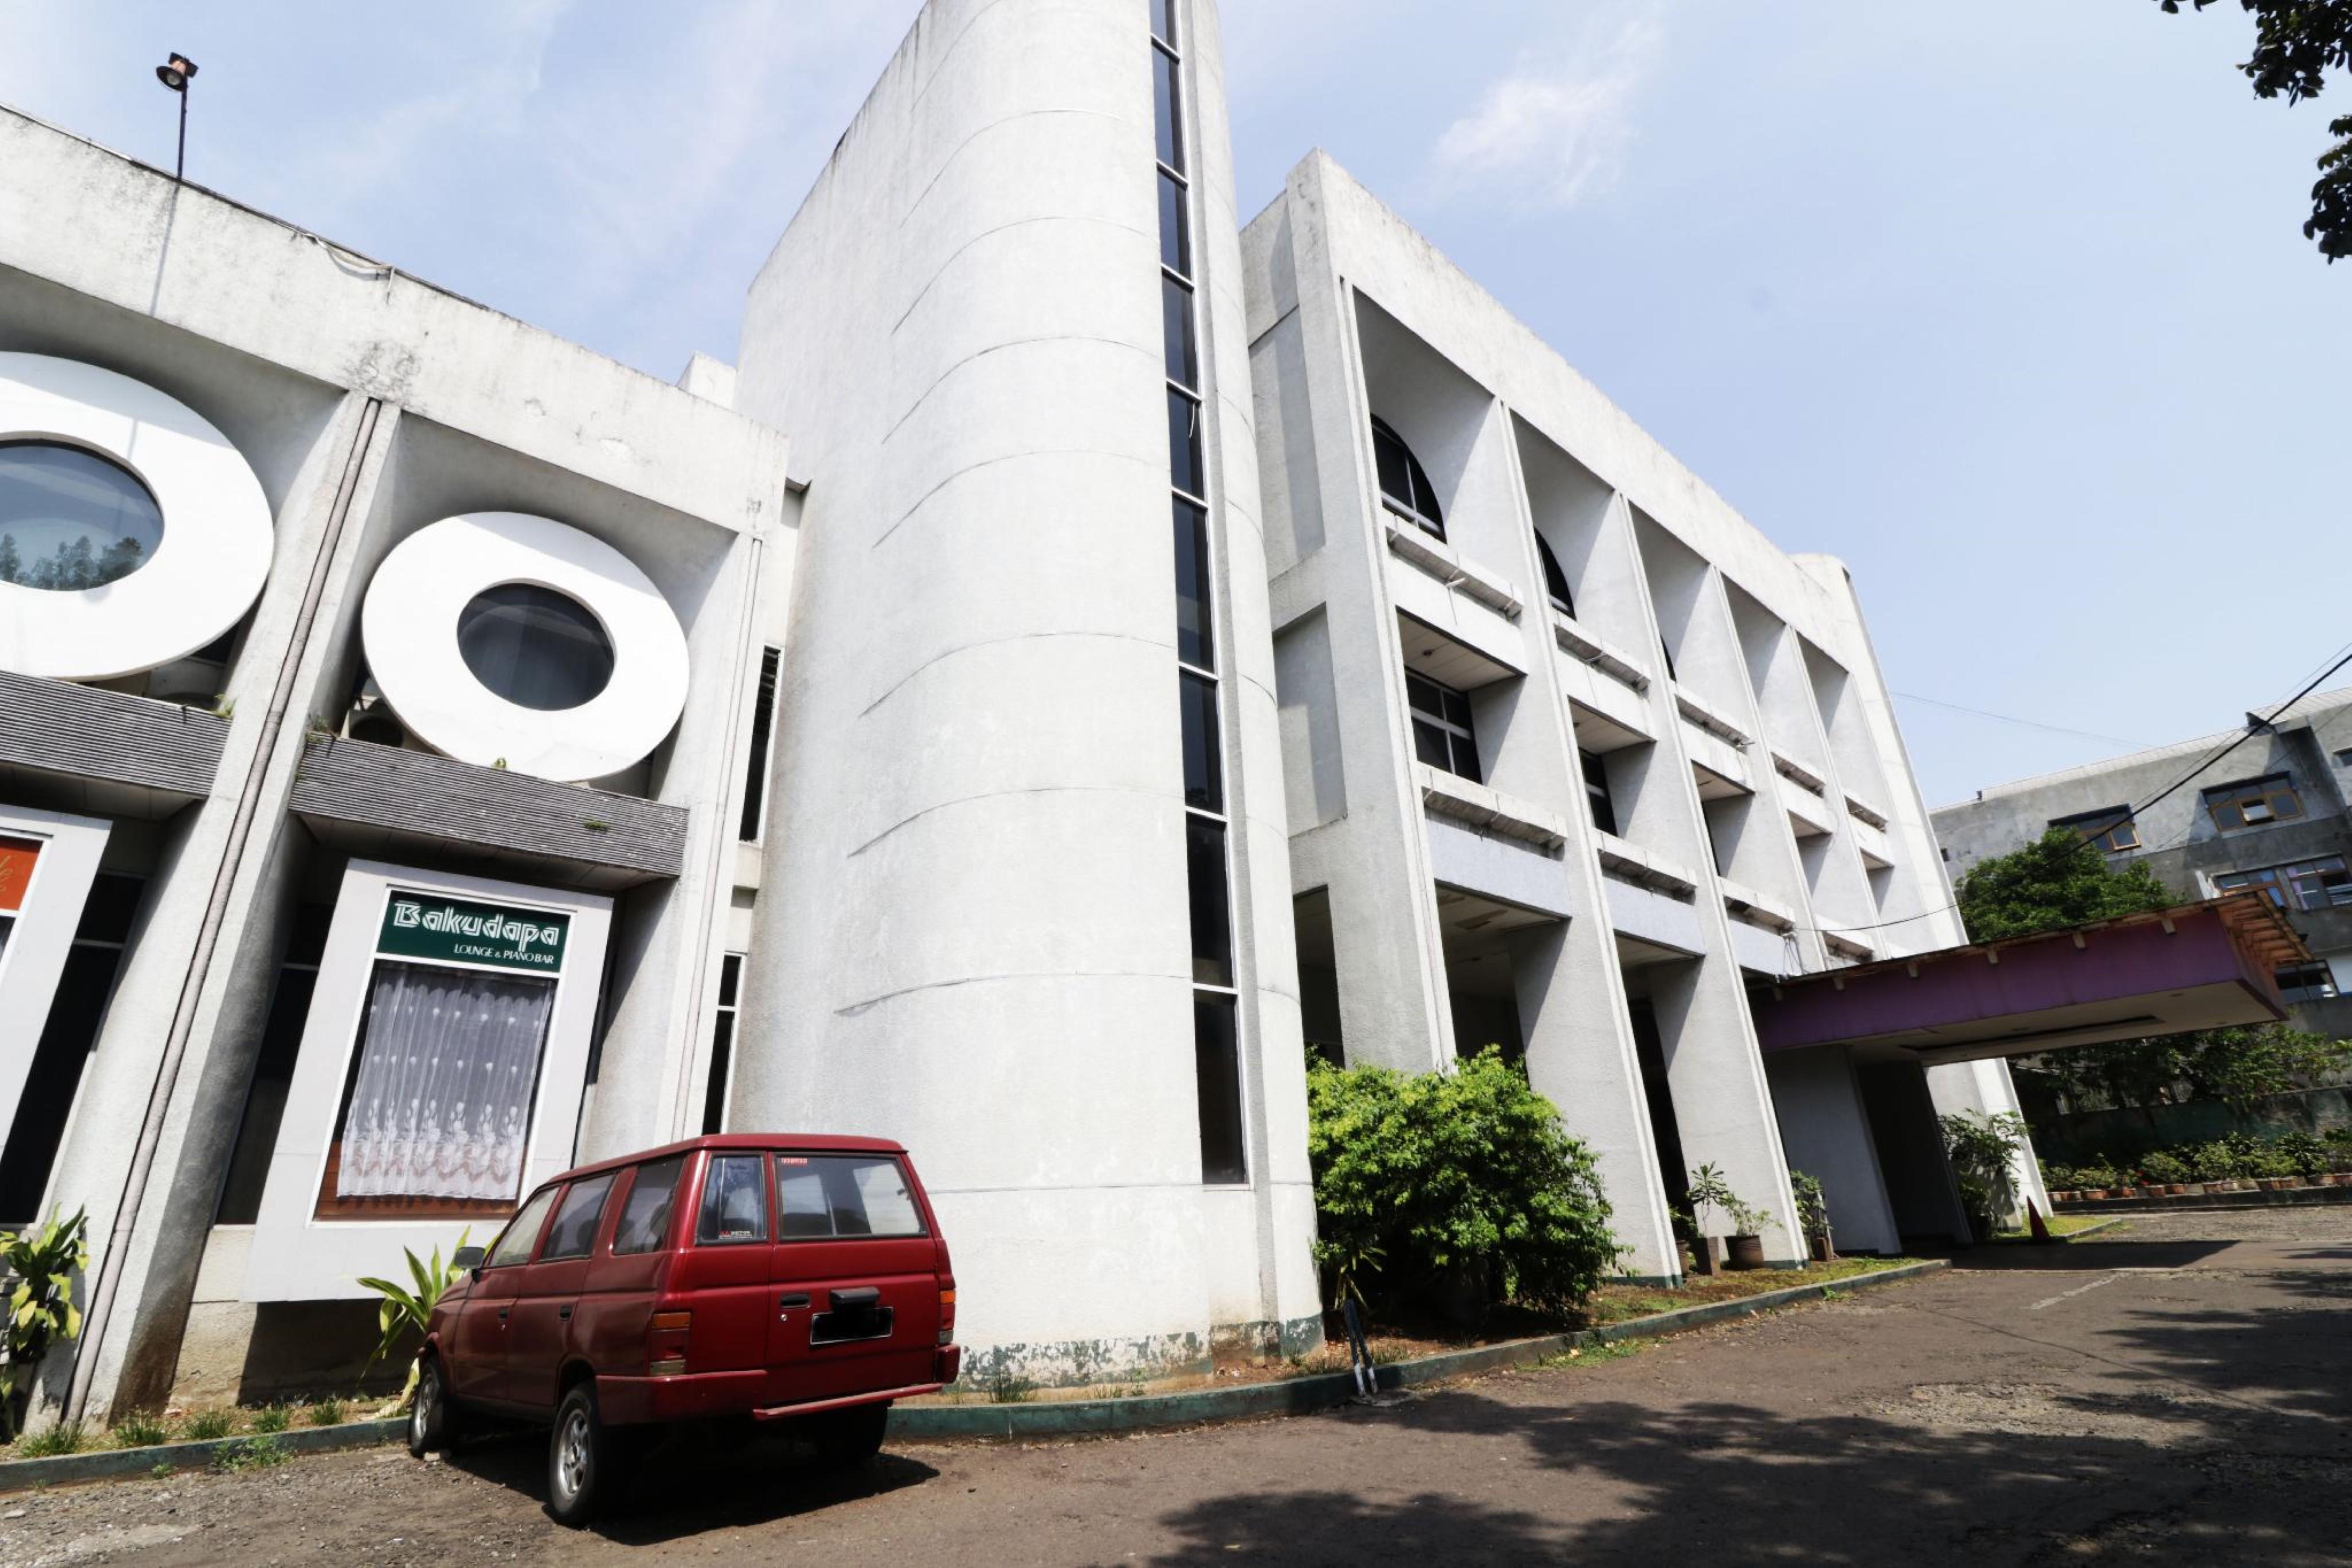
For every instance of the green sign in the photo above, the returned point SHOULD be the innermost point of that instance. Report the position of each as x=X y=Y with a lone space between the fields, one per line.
x=458 y=931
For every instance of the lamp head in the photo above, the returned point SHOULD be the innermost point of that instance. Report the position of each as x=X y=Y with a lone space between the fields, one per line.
x=176 y=72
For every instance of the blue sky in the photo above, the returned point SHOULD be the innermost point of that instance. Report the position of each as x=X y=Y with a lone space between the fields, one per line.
x=2005 y=304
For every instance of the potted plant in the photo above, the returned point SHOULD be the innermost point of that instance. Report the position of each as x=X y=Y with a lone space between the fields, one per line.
x=1744 y=1248
x=1814 y=1214
x=1984 y=1151
x=40 y=1264
x=1708 y=1190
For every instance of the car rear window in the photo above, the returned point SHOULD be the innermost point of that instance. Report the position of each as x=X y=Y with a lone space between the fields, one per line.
x=514 y=1245
x=828 y=1195
x=644 y=1213
x=575 y=1222
x=734 y=1200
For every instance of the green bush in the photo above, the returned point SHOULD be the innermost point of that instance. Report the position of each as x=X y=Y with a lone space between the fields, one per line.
x=206 y=1424
x=2306 y=1153
x=63 y=1437
x=2214 y=1162
x=1451 y=1180
x=2094 y=1176
x=141 y=1429
x=2162 y=1167
x=272 y=1419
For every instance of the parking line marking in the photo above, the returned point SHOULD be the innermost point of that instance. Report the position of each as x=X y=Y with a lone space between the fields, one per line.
x=2077 y=1290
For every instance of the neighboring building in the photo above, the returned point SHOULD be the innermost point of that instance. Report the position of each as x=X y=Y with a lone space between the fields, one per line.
x=431 y=753
x=2271 y=815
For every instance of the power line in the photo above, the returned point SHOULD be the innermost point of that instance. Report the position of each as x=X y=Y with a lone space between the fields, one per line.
x=2028 y=723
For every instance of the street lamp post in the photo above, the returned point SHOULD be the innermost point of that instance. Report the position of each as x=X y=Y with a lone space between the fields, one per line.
x=175 y=74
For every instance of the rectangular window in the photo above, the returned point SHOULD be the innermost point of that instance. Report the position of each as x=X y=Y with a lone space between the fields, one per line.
x=1441 y=732
x=573 y=1234
x=1596 y=790
x=2111 y=829
x=822 y=1196
x=1216 y=1059
x=76 y=1009
x=1175 y=235
x=644 y=1213
x=2321 y=884
x=1205 y=785
x=1213 y=937
x=2305 y=982
x=1185 y=466
x=1167 y=117
x=1163 y=21
x=1194 y=640
x=734 y=1201
x=514 y=1244
x=722 y=1045
x=2257 y=803
x=755 y=765
x=439 y=1105
x=1176 y=333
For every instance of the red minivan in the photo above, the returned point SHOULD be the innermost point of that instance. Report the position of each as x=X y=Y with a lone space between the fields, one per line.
x=764 y=1275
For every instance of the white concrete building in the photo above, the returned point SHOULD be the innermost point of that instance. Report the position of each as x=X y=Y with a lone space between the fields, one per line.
x=1166 y=646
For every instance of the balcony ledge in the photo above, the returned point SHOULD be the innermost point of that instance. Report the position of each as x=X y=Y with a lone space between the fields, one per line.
x=1695 y=710
x=1575 y=641
x=1864 y=811
x=1490 y=811
x=1631 y=863
x=1757 y=909
x=1439 y=560
x=1797 y=773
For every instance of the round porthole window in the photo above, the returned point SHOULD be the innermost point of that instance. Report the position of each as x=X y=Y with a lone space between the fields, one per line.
x=71 y=519
x=534 y=646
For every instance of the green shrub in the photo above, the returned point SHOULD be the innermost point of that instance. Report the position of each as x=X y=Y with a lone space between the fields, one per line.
x=325 y=1413
x=2214 y=1162
x=65 y=1437
x=272 y=1419
x=40 y=1263
x=1813 y=1204
x=2059 y=1178
x=1428 y=1181
x=2306 y=1153
x=2095 y=1176
x=206 y=1424
x=252 y=1453
x=2162 y=1166
x=141 y=1430
x=1984 y=1151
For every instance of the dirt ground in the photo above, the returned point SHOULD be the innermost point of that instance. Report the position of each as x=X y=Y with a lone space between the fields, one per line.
x=2177 y=1391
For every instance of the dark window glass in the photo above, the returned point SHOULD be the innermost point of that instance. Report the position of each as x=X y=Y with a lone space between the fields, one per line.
x=71 y=519
x=1205 y=785
x=1184 y=443
x=1163 y=21
x=827 y=1196
x=722 y=1061
x=2112 y=829
x=734 y=1200
x=731 y=979
x=514 y=1245
x=1431 y=744
x=76 y=1011
x=1668 y=655
x=1212 y=940
x=1175 y=236
x=1166 y=117
x=1596 y=791
x=755 y=765
x=1441 y=732
x=1216 y=1059
x=1176 y=332
x=574 y=1232
x=265 y=1101
x=1194 y=643
x=535 y=648
x=644 y=1213
x=1404 y=485
x=113 y=904
x=1555 y=580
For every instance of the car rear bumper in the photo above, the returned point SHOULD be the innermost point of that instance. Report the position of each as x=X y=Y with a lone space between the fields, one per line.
x=846 y=1402
x=690 y=1396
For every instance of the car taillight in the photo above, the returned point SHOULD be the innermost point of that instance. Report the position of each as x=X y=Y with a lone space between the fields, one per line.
x=665 y=1343
x=947 y=1314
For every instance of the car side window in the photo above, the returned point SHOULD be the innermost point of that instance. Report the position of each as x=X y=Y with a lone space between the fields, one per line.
x=734 y=1200
x=644 y=1213
x=515 y=1243
x=826 y=1196
x=574 y=1232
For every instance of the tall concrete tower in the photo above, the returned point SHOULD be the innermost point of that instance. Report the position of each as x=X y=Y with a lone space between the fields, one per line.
x=1027 y=903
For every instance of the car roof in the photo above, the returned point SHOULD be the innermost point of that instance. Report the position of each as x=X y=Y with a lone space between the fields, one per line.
x=814 y=1142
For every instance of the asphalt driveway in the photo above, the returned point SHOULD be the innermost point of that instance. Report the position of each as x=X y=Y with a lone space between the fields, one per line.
x=2178 y=1392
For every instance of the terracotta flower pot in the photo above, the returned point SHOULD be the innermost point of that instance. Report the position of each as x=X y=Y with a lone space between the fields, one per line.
x=1706 y=1257
x=1822 y=1252
x=1744 y=1252
x=2176 y=1189
x=2095 y=1194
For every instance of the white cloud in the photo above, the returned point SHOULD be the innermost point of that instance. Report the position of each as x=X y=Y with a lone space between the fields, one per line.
x=1557 y=133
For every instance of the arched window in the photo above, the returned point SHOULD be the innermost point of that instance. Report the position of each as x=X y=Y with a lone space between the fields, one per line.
x=1555 y=580
x=1404 y=485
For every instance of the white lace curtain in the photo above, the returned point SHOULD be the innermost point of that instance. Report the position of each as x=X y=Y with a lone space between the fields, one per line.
x=441 y=1108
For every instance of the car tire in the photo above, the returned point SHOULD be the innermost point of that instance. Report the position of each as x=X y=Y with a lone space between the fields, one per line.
x=433 y=1422
x=847 y=1438
x=580 y=1454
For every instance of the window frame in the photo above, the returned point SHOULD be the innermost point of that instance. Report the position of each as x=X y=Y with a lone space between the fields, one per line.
x=2223 y=802
x=2324 y=990
x=636 y=1179
x=490 y=1253
x=611 y=1180
x=1430 y=519
x=1461 y=734
x=2119 y=828
x=767 y=1232
x=776 y=1160
x=1593 y=769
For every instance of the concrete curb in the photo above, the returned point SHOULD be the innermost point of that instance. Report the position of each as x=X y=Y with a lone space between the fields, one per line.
x=2292 y=1197
x=110 y=1464
x=1299 y=1395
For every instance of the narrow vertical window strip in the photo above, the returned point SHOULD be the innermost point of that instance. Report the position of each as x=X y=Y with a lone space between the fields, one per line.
x=755 y=763
x=722 y=1045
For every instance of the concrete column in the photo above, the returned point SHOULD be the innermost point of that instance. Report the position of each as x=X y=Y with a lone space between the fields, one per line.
x=1826 y=1131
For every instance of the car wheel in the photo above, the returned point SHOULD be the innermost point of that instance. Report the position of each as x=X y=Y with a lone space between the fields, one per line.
x=432 y=1421
x=850 y=1437
x=577 y=1453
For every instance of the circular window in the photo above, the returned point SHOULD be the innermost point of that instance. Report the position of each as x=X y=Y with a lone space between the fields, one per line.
x=71 y=519
x=534 y=646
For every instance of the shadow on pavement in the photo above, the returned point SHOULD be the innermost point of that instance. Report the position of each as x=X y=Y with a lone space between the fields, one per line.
x=2088 y=1256
x=693 y=1481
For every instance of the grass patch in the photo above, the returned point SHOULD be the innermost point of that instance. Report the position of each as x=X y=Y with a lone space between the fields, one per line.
x=141 y=1429
x=272 y=1419
x=1011 y=1391
x=206 y=1424
x=2064 y=1225
x=252 y=1453
x=1592 y=1356
x=1619 y=1303
x=325 y=1413
x=65 y=1437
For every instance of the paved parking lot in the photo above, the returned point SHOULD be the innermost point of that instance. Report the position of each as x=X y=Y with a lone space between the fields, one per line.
x=2177 y=1392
